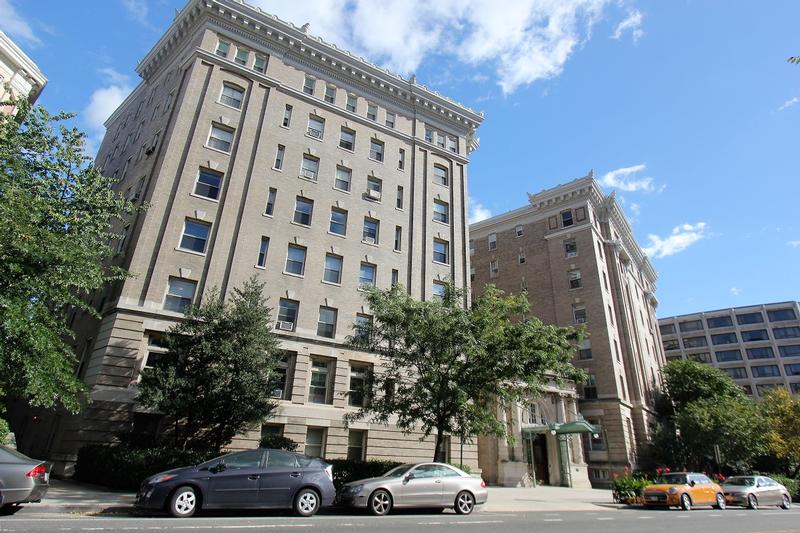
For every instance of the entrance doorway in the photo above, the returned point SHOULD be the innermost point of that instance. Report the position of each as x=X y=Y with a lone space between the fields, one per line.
x=539 y=463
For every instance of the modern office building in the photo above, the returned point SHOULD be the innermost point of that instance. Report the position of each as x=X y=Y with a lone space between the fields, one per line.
x=19 y=75
x=758 y=345
x=572 y=250
x=263 y=150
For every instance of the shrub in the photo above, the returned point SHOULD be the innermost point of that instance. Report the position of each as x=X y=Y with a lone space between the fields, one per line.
x=628 y=488
x=465 y=468
x=277 y=442
x=4 y=431
x=122 y=467
x=792 y=485
x=347 y=470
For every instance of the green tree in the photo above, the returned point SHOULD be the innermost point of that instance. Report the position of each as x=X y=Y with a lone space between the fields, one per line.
x=782 y=413
x=221 y=369
x=688 y=381
x=447 y=368
x=57 y=212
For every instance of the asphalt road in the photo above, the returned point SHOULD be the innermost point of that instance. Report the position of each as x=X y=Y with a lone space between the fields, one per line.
x=612 y=521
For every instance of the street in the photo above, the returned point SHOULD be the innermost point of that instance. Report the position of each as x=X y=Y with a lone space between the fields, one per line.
x=612 y=520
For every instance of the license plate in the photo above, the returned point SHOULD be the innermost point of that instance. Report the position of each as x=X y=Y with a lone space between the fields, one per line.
x=652 y=498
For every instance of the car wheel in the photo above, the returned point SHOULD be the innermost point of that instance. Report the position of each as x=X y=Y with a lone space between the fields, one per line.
x=752 y=502
x=306 y=503
x=184 y=502
x=380 y=502
x=787 y=502
x=686 y=502
x=465 y=502
x=720 y=501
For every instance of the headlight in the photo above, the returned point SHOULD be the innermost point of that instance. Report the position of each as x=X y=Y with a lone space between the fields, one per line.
x=355 y=489
x=162 y=478
x=672 y=490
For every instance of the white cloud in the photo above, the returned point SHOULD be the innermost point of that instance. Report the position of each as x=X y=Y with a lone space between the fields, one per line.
x=681 y=238
x=626 y=179
x=137 y=9
x=522 y=41
x=636 y=209
x=477 y=211
x=103 y=102
x=12 y=23
x=632 y=23
x=794 y=244
x=735 y=291
x=789 y=103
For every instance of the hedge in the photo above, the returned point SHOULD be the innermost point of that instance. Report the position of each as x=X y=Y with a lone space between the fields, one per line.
x=792 y=485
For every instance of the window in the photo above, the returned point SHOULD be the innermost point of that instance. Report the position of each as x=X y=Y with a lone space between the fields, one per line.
x=260 y=64
x=338 y=224
x=764 y=352
x=438 y=290
x=441 y=252
x=287 y=116
x=719 y=322
x=724 y=338
x=326 y=326
x=399 y=202
x=440 y=175
x=303 y=209
x=330 y=94
x=287 y=314
x=310 y=167
x=333 y=269
x=429 y=135
x=347 y=139
x=777 y=315
x=296 y=260
x=691 y=325
x=755 y=335
x=401 y=159
x=316 y=127
x=585 y=349
x=736 y=372
x=765 y=388
x=792 y=370
x=792 y=350
x=366 y=275
x=362 y=326
x=222 y=48
x=795 y=387
x=667 y=329
x=492 y=239
x=471 y=247
x=694 y=342
x=180 y=294
x=786 y=333
x=279 y=153
x=590 y=388
x=195 y=236
x=315 y=442
x=521 y=258
x=308 y=85
x=369 y=234
x=724 y=356
x=703 y=357
x=575 y=281
x=359 y=379
x=671 y=344
x=372 y=111
x=452 y=144
x=357 y=445
x=440 y=139
x=208 y=184
x=390 y=118
x=767 y=371
x=579 y=313
x=282 y=390
x=376 y=150
x=441 y=211
x=220 y=138
x=749 y=318
x=596 y=443
x=270 y=201
x=343 y=178
x=494 y=270
x=351 y=103
x=241 y=56
x=374 y=188
x=262 y=252
x=398 y=238
x=566 y=218
x=395 y=277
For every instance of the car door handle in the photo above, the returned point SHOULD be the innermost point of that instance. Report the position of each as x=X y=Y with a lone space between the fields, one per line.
x=254 y=477
x=438 y=481
x=295 y=474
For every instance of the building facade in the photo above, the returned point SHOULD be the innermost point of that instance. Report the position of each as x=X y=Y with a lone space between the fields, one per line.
x=19 y=75
x=572 y=250
x=263 y=150
x=758 y=345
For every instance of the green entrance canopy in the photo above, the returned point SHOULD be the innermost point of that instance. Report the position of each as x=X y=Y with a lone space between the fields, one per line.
x=576 y=426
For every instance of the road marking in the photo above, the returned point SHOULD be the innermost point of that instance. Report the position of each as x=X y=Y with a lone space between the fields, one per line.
x=605 y=518
x=645 y=518
x=714 y=514
x=477 y=522
x=267 y=526
x=552 y=520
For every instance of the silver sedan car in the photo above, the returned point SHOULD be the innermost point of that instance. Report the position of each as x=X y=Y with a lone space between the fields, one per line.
x=425 y=485
x=22 y=480
x=752 y=491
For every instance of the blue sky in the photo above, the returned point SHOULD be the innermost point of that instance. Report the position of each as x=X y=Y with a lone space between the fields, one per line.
x=687 y=108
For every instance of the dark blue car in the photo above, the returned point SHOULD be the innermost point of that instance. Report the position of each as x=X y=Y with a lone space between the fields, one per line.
x=254 y=479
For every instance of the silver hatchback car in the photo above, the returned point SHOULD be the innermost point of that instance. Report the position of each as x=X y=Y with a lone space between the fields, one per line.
x=752 y=491
x=424 y=485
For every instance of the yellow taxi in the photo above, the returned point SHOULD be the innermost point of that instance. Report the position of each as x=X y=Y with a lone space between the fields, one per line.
x=684 y=490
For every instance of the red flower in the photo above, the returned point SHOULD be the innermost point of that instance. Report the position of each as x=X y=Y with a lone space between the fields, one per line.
x=666 y=470
x=659 y=470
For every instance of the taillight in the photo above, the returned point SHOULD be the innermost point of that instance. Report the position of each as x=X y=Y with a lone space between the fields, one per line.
x=483 y=484
x=37 y=471
x=329 y=471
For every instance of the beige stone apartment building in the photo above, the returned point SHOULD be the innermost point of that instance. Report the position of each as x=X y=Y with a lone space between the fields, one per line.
x=757 y=345
x=263 y=150
x=572 y=250
x=19 y=75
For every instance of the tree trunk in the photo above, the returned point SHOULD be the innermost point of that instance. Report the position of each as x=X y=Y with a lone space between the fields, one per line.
x=439 y=455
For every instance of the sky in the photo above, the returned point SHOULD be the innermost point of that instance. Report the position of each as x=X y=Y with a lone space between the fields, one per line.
x=687 y=109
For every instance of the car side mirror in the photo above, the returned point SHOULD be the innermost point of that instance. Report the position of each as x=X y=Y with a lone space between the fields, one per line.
x=759 y=484
x=409 y=477
x=219 y=467
x=692 y=483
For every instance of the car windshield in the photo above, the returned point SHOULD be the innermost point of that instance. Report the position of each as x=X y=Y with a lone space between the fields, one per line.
x=398 y=471
x=675 y=479
x=741 y=481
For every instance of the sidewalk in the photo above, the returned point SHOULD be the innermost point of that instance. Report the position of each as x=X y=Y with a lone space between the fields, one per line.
x=545 y=498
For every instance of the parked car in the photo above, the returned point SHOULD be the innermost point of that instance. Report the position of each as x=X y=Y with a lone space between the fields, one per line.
x=684 y=490
x=22 y=479
x=752 y=491
x=253 y=479
x=426 y=485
